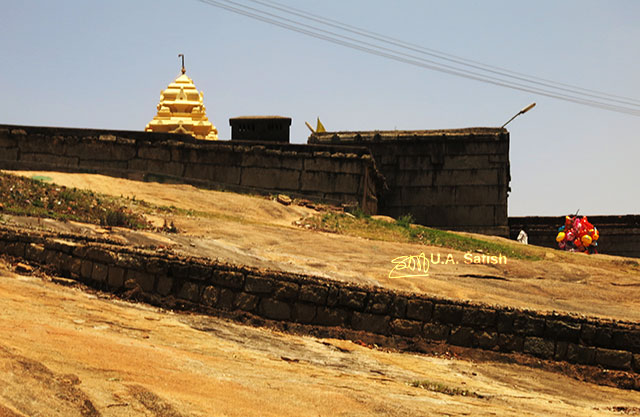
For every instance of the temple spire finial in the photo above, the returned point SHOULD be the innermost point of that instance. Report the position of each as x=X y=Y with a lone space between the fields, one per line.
x=181 y=110
x=182 y=56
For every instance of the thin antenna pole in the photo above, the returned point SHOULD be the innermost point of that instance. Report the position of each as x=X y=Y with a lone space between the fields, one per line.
x=182 y=56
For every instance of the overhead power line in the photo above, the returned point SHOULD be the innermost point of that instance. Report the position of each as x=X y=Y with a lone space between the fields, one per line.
x=373 y=43
x=443 y=55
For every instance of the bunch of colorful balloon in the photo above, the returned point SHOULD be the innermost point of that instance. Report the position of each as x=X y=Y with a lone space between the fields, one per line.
x=578 y=235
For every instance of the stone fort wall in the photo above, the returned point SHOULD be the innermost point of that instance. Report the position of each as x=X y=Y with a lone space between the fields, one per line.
x=326 y=307
x=347 y=175
x=455 y=179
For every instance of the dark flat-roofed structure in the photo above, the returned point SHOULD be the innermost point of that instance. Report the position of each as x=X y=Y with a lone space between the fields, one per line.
x=260 y=128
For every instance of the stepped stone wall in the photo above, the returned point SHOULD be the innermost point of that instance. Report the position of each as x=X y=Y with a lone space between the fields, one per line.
x=315 y=303
x=455 y=179
x=338 y=176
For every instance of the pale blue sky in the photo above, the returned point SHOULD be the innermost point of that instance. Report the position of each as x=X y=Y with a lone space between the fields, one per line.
x=102 y=64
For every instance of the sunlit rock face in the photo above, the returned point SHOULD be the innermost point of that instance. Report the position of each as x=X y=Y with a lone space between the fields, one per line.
x=181 y=110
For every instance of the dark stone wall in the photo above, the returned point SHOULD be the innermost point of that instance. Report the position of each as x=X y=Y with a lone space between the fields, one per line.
x=619 y=235
x=314 y=303
x=454 y=179
x=325 y=173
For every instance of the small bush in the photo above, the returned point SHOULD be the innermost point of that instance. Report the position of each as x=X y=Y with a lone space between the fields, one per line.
x=116 y=218
x=405 y=220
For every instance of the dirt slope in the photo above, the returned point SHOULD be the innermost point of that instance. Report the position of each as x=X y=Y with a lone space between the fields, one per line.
x=260 y=232
x=67 y=352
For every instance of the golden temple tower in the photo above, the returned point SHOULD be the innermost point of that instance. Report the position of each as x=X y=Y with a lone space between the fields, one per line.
x=181 y=110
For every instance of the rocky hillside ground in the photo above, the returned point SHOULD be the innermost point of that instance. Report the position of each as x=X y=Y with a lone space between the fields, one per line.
x=72 y=351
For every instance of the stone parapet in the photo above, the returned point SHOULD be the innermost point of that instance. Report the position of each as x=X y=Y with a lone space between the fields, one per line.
x=314 y=303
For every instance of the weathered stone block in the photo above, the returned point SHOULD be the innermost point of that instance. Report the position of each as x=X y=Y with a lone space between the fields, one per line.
x=101 y=255
x=155 y=152
x=286 y=290
x=539 y=347
x=261 y=160
x=64 y=263
x=100 y=165
x=614 y=359
x=399 y=306
x=270 y=179
x=179 y=269
x=100 y=272
x=313 y=294
x=304 y=313
x=318 y=164
x=115 y=276
x=562 y=330
x=144 y=279
x=293 y=162
x=106 y=151
x=379 y=303
x=331 y=316
x=61 y=245
x=41 y=144
x=189 y=291
x=580 y=354
x=465 y=177
x=373 y=323
x=209 y=296
x=86 y=269
x=258 y=285
x=35 y=252
x=127 y=261
x=332 y=296
x=8 y=142
x=51 y=257
x=597 y=336
x=486 y=340
x=162 y=168
x=448 y=313
x=75 y=266
x=49 y=160
x=404 y=327
x=8 y=154
x=226 y=298
x=329 y=182
x=246 y=302
x=229 y=279
x=627 y=340
x=419 y=310
x=275 y=309
x=436 y=331
x=352 y=299
x=157 y=266
x=200 y=272
x=224 y=174
x=461 y=336
x=561 y=351
x=215 y=173
x=510 y=342
x=465 y=162
x=16 y=249
x=478 y=318
x=479 y=194
x=165 y=285
x=528 y=325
